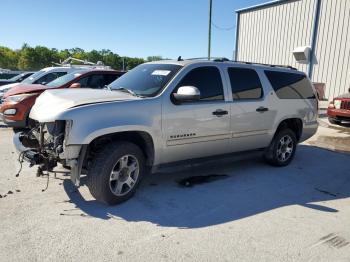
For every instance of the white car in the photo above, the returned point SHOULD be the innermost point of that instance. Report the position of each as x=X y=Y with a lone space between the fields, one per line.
x=42 y=77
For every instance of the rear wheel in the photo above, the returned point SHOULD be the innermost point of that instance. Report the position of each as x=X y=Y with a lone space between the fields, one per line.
x=334 y=121
x=282 y=148
x=116 y=172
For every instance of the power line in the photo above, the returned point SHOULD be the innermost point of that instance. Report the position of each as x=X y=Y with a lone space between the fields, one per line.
x=223 y=28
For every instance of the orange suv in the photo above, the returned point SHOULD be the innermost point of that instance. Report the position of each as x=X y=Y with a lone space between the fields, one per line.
x=16 y=104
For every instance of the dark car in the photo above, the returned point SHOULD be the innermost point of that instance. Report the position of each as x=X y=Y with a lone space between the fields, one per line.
x=16 y=79
x=18 y=101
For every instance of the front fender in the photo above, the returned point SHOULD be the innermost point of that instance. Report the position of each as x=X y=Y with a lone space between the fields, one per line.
x=92 y=121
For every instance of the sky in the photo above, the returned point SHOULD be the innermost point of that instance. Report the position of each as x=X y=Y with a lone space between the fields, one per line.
x=136 y=28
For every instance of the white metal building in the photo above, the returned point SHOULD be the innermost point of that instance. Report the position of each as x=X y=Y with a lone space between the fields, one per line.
x=269 y=33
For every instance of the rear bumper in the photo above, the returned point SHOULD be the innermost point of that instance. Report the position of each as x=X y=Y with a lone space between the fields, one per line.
x=309 y=130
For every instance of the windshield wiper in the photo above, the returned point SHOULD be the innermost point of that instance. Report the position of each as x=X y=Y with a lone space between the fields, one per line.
x=123 y=89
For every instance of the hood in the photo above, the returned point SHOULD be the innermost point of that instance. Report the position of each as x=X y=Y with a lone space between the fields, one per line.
x=24 y=88
x=347 y=95
x=53 y=102
x=4 y=87
x=6 y=81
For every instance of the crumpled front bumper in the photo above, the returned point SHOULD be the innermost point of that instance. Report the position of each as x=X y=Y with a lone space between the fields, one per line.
x=30 y=155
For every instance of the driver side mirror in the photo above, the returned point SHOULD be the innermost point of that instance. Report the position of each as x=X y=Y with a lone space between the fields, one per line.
x=187 y=94
x=75 y=85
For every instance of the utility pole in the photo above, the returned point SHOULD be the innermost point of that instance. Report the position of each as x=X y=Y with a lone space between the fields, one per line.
x=209 y=29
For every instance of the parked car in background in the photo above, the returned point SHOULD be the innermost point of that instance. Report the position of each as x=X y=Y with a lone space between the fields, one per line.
x=339 y=109
x=166 y=112
x=18 y=101
x=16 y=79
x=42 y=77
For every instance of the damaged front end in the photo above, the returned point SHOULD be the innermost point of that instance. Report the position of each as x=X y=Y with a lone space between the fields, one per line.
x=45 y=146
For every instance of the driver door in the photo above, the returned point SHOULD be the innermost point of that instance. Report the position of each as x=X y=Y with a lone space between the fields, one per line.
x=198 y=128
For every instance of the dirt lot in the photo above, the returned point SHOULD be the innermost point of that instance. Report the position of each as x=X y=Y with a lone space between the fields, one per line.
x=253 y=212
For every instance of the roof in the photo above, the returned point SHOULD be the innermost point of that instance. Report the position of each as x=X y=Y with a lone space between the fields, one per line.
x=264 y=5
x=185 y=62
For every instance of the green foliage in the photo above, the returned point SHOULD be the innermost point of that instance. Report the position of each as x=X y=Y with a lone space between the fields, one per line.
x=8 y=58
x=154 y=58
x=35 y=58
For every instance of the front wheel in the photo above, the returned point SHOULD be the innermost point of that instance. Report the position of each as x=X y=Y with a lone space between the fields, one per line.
x=116 y=172
x=282 y=148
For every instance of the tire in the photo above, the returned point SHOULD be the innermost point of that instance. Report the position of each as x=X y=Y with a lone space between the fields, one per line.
x=333 y=121
x=115 y=172
x=275 y=152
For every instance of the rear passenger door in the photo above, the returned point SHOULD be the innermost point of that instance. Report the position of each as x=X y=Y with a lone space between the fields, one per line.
x=252 y=117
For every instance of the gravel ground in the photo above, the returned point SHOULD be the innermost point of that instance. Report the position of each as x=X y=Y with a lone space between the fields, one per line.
x=254 y=213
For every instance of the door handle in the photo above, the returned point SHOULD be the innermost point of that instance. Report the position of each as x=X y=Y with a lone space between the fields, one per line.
x=262 y=109
x=220 y=112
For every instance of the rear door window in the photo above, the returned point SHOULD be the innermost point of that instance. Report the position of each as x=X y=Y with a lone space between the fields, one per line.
x=245 y=83
x=290 y=85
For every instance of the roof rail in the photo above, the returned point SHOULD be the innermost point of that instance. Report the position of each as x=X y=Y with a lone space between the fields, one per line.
x=224 y=59
x=84 y=63
x=216 y=59
x=271 y=65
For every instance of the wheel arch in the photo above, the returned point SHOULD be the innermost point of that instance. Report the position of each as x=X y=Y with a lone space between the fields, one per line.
x=140 y=138
x=295 y=124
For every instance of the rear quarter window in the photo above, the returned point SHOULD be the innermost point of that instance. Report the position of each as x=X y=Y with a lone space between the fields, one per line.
x=290 y=85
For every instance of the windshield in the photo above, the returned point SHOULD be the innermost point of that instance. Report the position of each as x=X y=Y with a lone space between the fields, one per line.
x=15 y=78
x=63 y=79
x=146 y=79
x=33 y=77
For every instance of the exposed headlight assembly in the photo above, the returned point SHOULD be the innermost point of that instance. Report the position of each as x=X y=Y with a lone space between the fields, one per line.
x=19 y=98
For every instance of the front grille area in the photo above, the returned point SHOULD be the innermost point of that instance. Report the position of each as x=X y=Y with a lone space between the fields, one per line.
x=345 y=105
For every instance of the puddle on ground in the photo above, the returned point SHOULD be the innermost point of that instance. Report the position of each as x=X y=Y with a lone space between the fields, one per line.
x=197 y=180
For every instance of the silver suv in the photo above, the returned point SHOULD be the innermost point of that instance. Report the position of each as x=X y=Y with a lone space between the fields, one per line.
x=166 y=112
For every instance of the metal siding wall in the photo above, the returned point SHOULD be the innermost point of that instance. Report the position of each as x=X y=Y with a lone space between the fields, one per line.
x=333 y=50
x=269 y=35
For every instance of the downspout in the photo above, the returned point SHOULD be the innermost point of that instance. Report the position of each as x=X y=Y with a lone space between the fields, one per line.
x=314 y=37
x=237 y=35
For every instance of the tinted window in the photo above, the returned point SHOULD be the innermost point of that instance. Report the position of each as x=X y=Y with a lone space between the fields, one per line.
x=109 y=78
x=245 y=83
x=290 y=86
x=207 y=80
x=83 y=81
x=96 y=81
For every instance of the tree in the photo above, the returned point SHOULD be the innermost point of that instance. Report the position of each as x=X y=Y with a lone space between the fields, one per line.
x=36 y=58
x=8 y=58
x=154 y=58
